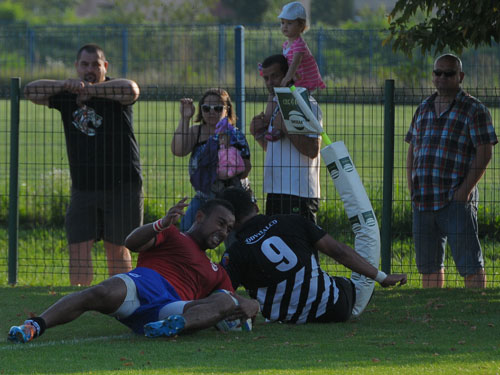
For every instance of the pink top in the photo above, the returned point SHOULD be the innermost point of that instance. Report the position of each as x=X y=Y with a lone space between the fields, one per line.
x=308 y=71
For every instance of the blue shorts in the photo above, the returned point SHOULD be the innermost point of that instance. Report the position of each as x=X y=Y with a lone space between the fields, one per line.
x=152 y=299
x=457 y=223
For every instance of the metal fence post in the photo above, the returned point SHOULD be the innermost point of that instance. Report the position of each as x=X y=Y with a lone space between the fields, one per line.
x=239 y=67
x=31 y=49
x=319 y=51
x=15 y=90
x=124 y=52
x=386 y=237
x=222 y=53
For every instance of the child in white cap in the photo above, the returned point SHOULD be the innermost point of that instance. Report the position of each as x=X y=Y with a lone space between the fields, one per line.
x=302 y=67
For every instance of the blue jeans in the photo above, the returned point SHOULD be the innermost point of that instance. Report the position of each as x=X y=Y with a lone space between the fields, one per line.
x=188 y=218
x=455 y=223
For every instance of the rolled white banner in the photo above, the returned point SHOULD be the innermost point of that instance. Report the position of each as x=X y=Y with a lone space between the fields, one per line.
x=356 y=204
x=361 y=216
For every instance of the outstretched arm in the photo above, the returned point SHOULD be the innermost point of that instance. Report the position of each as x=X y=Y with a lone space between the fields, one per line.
x=143 y=238
x=122 y=90
x=352 y=260
x=40 y=91
x=292 y=69
x=184 y=137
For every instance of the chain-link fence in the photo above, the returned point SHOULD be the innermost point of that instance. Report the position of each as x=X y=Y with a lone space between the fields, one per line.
x=355 y=116
x=180 y=61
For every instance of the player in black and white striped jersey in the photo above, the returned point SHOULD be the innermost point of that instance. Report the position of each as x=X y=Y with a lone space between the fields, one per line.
x=276 y=259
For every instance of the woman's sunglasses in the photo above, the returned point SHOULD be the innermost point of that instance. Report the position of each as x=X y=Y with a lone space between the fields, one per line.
x=216 y=108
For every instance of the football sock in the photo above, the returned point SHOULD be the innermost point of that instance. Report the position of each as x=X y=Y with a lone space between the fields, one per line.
x=38 y=323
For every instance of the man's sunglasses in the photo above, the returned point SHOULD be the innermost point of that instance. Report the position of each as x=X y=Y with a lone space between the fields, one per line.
x=446 y=74
x=217 y=108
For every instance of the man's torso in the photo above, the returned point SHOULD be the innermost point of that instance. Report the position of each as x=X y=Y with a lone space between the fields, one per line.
x=287 y=171
x=102 y=150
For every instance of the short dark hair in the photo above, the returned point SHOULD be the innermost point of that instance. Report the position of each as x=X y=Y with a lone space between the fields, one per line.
x=276 y=59
x=242 y=201
x=211 y=204
x=450 y=57
x=91 y=48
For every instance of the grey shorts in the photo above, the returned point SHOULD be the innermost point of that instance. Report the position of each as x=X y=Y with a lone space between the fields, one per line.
x=455 y=223
x=108 y=215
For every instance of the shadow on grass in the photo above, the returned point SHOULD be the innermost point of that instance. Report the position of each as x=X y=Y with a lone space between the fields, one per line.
x=405 y=328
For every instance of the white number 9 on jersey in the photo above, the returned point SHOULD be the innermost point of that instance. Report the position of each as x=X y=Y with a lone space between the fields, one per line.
x=277 y=251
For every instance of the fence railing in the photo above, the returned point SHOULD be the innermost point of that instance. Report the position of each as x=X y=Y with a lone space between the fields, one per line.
x=199 y=55
x=354 y=115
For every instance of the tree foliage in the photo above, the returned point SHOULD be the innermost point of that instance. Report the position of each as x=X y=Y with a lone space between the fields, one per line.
x=448 y=24
x=331 y=12
x=244 y=12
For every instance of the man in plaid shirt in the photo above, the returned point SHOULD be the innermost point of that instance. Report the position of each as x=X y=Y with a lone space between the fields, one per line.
x=451 y=140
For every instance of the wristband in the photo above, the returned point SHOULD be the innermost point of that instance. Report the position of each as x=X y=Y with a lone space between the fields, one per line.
x=157 y=227
x=380 y=276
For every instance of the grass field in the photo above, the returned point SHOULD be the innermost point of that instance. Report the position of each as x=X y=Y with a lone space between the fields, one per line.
x=403 y=331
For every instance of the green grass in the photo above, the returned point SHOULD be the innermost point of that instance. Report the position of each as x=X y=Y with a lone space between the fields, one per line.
x=403 y=331
x=43 y=260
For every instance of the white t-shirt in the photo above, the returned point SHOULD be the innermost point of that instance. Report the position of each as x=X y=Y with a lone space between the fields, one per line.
x=287 y=171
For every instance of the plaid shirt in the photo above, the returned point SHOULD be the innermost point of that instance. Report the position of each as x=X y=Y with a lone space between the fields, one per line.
x=444 y=147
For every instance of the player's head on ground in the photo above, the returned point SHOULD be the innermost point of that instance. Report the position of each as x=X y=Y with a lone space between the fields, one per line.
x=243 y=202
x=274 y=69
x=213 y=222
x=91 y=64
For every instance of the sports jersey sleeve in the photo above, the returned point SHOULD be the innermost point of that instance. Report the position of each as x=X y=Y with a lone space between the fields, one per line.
x=226 y=282
x=312 y=230
x=232 y=265
x=162 y=236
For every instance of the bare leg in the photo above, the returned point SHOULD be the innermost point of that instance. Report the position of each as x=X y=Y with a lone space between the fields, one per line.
x=105 y=297
x=207 y=312
x=476 y=281
x=80 y=263
x=433 y=280
x=119 y=259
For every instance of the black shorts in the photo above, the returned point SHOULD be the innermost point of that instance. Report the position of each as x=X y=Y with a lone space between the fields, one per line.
x=277 y=204
x=108 y=215
x=342 y=310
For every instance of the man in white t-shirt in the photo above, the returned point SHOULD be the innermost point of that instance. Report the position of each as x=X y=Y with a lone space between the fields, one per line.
x=291 y=168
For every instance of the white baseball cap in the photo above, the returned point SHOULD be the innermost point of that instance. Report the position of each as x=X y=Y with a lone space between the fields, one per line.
x=292 y=11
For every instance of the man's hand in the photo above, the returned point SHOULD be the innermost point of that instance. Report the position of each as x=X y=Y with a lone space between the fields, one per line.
x=187 y=108
x=75 y=85
x=461 y=195
x=258 y=126
x=247 y=308
x=174 y=213
x=394 y=279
